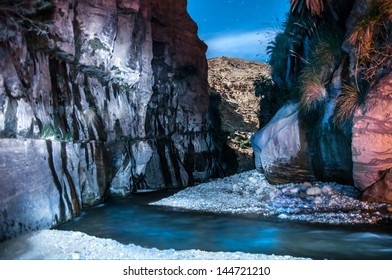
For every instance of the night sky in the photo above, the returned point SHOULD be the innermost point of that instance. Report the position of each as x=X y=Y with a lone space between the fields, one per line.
x=238 y=28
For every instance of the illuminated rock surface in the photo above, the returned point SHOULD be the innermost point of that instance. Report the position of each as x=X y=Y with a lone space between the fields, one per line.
x=118 y=93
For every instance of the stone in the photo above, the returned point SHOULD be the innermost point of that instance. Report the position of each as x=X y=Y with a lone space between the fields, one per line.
x=327 y=190
x=281 y=150
x=122 y=80
x=48 y=182
x=372 y=143
x=318 y=200
x=330 y=152
x=313 y=191
x=118 y=94
x=234 y=79
x=294 y=191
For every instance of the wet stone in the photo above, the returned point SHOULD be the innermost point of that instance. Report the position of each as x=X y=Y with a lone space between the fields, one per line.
x=313 y=191
x=327 y=190
x=318 y=200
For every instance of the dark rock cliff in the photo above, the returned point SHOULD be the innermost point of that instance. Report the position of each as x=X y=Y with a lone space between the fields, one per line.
x=98 y=98
x=332 y=64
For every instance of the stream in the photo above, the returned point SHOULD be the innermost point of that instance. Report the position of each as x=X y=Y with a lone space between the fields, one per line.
x=132 y=220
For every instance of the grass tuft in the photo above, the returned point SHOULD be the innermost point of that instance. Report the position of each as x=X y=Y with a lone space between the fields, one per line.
x=346 y=105
x=313 y=92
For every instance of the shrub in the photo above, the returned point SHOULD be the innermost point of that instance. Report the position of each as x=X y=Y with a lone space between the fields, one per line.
x=346 y=105
x=312 y=91
x=325 y=54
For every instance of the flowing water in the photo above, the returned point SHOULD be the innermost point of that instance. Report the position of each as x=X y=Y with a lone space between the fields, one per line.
x=132 y=220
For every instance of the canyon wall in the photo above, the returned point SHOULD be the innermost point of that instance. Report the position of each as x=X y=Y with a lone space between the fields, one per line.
x=97 y=99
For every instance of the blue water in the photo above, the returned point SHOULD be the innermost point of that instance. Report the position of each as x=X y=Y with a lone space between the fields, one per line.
x=132 y=220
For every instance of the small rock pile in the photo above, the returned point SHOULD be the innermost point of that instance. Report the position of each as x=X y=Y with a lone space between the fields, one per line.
x=250 y=192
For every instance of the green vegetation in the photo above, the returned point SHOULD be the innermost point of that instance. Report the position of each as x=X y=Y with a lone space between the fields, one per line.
x=325 y=54
x=308 y=62
x=284 y=52
x=240 y=140
x=48 y=131
x=300 y=69
x=346 y=105
x=96 y=44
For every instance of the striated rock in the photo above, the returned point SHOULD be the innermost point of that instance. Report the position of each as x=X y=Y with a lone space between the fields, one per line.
x=47 y=182
x=118 y=89
x=372 y=143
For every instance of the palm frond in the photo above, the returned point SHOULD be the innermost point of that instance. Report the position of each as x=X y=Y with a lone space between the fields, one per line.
x=316 y=7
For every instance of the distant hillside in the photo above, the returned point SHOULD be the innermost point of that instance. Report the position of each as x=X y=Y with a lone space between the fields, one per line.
x=235 y=81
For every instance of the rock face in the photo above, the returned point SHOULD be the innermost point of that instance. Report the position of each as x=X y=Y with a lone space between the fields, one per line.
x=117 y=90
x=235 y=82
x=372 y=142
x=336 y=125
x=45 y=182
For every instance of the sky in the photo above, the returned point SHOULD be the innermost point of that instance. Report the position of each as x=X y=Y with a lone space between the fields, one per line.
x=238 y=28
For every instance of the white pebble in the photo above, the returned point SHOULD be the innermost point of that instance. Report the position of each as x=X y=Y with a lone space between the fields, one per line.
x=318 y=200
x=327 y=190
x=314 y=191
x=252 y=180
x=259 y=191
x=294 y=190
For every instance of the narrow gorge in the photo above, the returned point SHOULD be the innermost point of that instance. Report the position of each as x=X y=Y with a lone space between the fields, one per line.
x=113 y=101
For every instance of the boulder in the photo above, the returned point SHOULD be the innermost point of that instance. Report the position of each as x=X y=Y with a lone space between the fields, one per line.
x=280 y=148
